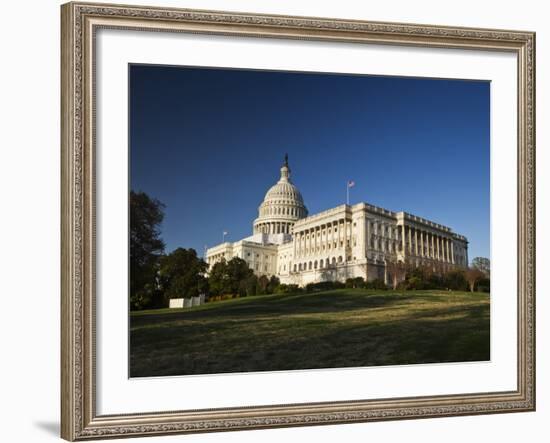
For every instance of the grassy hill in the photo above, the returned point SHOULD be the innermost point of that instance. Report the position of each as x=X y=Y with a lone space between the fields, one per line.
x=340 y=328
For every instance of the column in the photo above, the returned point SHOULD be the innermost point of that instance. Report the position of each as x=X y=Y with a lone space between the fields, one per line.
x=318 y=239
x=403 y=238
x=437 y=246
x=366 y=230
x=340 y=229
x=452 y=253
x=416 y=242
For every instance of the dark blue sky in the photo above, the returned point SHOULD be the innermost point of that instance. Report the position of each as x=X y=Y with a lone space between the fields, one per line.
x=209 y=143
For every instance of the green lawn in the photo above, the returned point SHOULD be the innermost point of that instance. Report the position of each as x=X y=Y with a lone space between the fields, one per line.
x=340 y=328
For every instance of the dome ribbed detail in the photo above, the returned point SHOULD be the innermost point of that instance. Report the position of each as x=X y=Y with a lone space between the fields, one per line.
x=283 y=205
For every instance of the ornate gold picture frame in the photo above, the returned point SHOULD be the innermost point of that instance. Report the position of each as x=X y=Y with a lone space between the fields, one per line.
x=80 y=22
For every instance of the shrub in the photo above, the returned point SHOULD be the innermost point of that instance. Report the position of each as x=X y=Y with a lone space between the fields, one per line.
x=455 y=280
x=414 y=282
x=357 y=282
x=286 y=289
x=324 y=286
x=484 y=285
x=377 y=283
x=228 y=296
x=294 y=289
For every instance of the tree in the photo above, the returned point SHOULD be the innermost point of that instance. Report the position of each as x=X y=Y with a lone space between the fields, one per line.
x=455 y=280
x=251 y=285
x=483 y=265
x=274 y=283
x=263 y=283
x=473 y=275
x=237 y=271
x=218 y=278
x=228 y=277
x=182 y=274
x=397 y=271
x=146 y=246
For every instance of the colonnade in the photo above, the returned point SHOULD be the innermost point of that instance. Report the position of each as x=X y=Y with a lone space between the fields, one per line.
x=426 y=244
x=274 y=228
x=317 y=240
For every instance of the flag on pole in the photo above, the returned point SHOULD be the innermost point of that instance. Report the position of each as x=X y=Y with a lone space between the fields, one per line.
x=225 y=232
x=350 y=184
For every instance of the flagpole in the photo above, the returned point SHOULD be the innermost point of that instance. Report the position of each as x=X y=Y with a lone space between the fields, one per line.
x=347 y=193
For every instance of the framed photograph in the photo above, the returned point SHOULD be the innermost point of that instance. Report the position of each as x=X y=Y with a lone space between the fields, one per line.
x=277 y=221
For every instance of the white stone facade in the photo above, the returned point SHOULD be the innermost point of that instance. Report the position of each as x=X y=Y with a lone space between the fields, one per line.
x=344 y=242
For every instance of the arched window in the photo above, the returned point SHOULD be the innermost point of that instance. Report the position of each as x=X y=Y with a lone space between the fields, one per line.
x=309 y=265
x=294 y=268
x=333 y=260
x=340 y=259
x=321 y=264
x=315 y=264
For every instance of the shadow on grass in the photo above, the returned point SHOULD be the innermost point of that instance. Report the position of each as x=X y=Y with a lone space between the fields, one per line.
x=279 y=305
x=221 y=343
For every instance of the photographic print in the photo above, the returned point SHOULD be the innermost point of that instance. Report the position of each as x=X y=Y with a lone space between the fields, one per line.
x=273 y=221
x=303 y=220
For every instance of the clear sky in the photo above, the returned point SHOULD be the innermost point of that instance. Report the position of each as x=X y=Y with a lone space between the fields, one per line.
x=209 y=143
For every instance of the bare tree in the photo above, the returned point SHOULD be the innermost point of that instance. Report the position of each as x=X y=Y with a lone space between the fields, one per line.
x=482 y=264
x=397 y=270
x=472 y=276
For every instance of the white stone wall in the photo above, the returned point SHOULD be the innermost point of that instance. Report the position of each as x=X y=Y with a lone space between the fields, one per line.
x=347 y=242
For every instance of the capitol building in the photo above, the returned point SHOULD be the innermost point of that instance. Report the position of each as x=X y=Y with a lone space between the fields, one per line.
x=343 y=242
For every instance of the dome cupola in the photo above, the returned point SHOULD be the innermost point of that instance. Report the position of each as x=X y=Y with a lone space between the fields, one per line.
x=283 y=205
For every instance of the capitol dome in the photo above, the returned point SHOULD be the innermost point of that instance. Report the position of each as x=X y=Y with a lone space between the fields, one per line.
x=283 y=205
